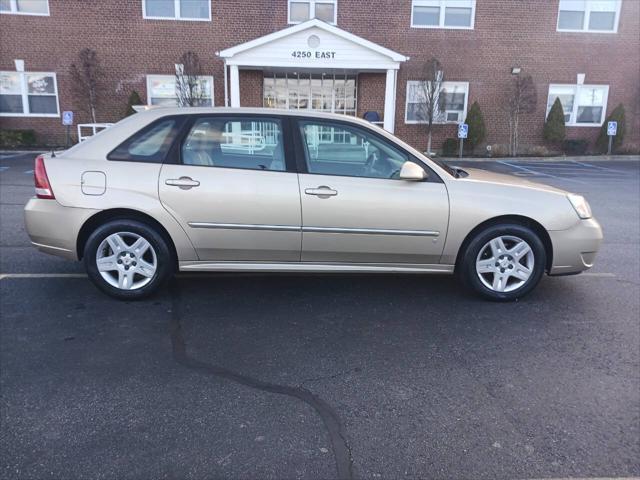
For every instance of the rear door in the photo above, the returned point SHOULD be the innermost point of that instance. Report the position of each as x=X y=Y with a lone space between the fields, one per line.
x=354 y=206
x=228 y=185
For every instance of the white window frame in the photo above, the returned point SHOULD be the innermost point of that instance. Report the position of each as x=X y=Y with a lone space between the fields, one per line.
x=312 y=10
x=442 y=4
x=574 y=112
x=446 y=84
x=176 y=13
x=14 y=10
x=25 y=95
x=162 y=76
x=587 y=14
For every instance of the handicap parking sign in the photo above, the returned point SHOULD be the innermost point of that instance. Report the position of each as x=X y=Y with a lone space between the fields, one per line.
x=612 y=129
x=463 y=130
x=67 y=118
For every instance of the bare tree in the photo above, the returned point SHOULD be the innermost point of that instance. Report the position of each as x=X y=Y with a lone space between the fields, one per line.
x=189 y=89
x=86 y=75
x=432 y=95
x=521 y=98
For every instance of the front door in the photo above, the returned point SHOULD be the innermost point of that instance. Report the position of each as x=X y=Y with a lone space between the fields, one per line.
x=354 y=206
x=231 y=191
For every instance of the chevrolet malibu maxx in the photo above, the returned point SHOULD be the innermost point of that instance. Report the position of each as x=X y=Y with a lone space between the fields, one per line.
x=220 y=189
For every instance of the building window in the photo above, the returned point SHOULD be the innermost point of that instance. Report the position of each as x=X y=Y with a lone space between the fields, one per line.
x=583 y=105
x=455 y=102
x=25 y=7
x=28 y=94
x=303 y=10
x=161 y=90
x=305 y=91
x=198 y=10
x=443 y=13
x=600 y=16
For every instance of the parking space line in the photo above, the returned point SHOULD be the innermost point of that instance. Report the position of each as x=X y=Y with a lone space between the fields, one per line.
x=536 y=172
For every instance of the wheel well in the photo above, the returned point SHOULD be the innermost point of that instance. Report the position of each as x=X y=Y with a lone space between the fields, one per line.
x=518 y=220
x=104 y=216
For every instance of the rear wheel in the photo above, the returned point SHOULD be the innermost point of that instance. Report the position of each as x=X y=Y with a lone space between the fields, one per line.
x=504 y=262
x=127 y=259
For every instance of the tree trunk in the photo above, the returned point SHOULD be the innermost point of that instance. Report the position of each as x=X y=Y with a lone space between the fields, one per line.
x=93 y=114
x=429 y=143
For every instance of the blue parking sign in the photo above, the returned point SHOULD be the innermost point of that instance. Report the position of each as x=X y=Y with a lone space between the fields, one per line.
x=463 y=130
x=612 y=129
x=67 y=118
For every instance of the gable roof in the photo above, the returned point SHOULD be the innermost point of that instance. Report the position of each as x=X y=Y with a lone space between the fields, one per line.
x=313 y=23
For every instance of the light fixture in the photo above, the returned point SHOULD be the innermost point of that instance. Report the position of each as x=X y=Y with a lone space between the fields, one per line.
x=515 y=70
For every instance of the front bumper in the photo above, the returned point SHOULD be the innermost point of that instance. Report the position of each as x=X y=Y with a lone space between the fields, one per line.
x=53 y=228
x=575 y=249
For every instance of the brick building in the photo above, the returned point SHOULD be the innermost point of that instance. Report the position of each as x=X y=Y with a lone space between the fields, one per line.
x=347 y=56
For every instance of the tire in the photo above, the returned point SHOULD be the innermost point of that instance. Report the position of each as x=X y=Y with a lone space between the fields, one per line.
x=503 y=262
x=128 y=259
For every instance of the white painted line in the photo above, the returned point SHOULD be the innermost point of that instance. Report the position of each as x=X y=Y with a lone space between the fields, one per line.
x=599 y=274
x=29 y=172
x=524 y=169
x=42 y=275
x=598 y=167
x=2 y=169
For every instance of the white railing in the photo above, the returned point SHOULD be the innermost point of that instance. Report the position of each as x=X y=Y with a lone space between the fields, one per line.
x=94 y=127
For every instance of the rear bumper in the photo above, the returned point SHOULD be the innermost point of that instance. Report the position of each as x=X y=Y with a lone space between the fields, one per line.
x=575 y=249
x=53 y=228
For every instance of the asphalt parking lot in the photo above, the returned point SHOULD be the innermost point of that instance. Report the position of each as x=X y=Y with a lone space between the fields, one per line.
x=302 y=376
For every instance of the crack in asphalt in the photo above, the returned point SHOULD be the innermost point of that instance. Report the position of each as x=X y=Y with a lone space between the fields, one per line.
x=337 y=436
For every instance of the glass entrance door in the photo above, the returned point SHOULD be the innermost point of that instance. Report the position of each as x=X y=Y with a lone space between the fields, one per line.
x=322 y=92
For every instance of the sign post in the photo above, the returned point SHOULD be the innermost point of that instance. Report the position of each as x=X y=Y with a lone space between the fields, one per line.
x=67 y=120
x=612 y=131
x=463 y=131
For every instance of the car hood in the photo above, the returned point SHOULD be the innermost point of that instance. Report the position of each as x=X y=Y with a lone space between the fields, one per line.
x=485 y=176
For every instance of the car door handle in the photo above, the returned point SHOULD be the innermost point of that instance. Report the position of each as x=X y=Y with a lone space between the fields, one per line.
x=185 y=183
x=322 y=191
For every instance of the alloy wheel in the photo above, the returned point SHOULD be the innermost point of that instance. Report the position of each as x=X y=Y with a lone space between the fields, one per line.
x=126 y=260
x=505 y=263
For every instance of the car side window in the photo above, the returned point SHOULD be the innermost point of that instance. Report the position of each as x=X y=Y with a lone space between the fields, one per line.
x=150 y=144
x=248 y=143
x=339 y=149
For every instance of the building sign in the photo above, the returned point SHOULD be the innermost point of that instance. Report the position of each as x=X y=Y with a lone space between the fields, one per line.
x=308 y=54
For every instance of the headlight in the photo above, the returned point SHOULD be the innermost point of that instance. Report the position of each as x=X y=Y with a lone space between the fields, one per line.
x=580 y=205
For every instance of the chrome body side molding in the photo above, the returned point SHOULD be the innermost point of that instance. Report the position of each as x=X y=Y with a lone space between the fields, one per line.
x=307 y=267
x=292 y=228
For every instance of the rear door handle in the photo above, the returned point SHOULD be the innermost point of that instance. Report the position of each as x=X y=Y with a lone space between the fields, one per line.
x=322 y=191
x=184 y=183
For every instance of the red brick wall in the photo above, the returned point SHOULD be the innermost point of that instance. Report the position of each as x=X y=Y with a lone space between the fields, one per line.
x=507 y=33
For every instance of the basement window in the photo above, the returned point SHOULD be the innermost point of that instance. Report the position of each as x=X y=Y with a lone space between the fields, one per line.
x=583 y=105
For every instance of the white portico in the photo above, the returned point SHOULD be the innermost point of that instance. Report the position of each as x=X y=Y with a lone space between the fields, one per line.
x=312 y=65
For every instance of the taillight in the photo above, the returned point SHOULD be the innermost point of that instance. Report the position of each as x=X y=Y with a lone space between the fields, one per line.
x=43 y=187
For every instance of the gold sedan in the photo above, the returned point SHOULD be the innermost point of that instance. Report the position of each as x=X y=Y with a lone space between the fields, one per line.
x=215 y=189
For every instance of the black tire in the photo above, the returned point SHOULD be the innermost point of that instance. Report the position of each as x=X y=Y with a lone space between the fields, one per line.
x=467 y=267
x=165 y=264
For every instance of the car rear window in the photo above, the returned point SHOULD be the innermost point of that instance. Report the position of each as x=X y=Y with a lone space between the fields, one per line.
x=150 y=144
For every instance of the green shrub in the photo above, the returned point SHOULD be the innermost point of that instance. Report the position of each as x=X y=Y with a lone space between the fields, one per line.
x=554 y=130
x=575 y=147
x=450 y=147
x=477 y=129
x=17 y=138
x=602 y=143
x=134 y=99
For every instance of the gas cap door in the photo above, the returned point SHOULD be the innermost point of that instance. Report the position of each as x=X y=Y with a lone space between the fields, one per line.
x=93 y=183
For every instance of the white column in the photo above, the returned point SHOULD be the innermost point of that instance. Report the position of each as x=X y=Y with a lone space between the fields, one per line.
x=234 y=80
x=390 y=101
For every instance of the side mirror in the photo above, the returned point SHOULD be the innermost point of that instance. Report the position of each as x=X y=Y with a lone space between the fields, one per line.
x=412 y=171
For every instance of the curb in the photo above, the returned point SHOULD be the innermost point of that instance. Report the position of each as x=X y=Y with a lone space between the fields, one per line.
x=576 y=159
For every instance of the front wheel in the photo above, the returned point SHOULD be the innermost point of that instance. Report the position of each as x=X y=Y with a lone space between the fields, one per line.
x=127 y=259
x=504 y=262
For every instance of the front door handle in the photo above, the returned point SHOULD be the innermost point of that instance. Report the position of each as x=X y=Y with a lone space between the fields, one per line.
x=322 y=191
x=184 y=183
